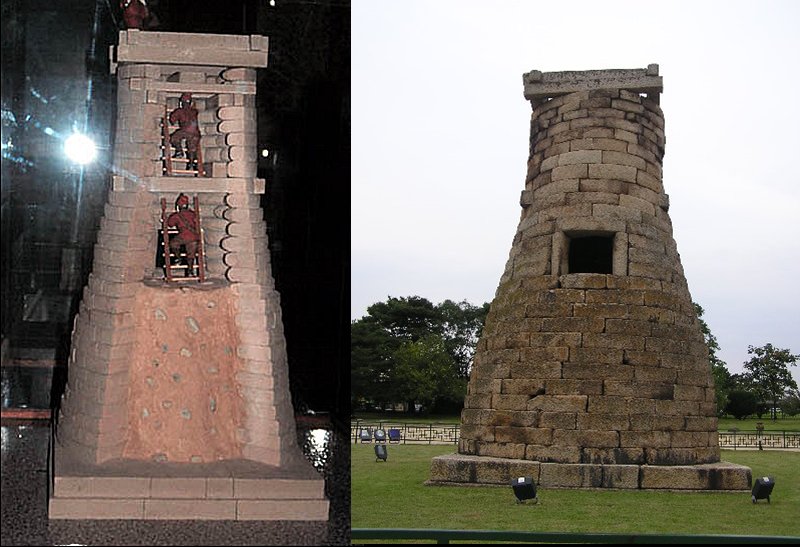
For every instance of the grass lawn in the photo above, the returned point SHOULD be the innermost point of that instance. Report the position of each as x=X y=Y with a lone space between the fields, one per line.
x=781 y=424
x=391 y=494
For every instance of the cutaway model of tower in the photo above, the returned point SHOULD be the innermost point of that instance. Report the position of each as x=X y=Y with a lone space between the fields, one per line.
x=177 y=404
x=592 y=370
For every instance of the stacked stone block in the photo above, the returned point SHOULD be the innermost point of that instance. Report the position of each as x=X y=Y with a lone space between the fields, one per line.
x=196 y=373
x=598 y=368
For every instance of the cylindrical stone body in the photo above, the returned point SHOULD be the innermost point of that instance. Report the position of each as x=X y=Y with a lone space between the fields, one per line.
x=592 y=352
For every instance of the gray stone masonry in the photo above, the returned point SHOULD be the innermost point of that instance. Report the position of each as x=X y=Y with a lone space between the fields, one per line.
x=591 y=355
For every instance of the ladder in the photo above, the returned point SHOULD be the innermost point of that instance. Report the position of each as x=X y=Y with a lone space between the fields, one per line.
x=199 y=266
x=170 y=164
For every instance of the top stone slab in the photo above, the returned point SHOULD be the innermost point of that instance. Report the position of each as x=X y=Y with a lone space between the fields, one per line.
x=545 y=85
x=184 y=48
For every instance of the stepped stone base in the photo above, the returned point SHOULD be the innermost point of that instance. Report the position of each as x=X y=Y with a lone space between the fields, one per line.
x=459 y=469
x=224 y=490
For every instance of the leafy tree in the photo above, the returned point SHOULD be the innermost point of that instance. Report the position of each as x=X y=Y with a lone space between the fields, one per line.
x=790 y=404
x=408 y=349
x=371 y=349
x=741 y=403
x=424 y=372
x=407 y=318
x=723 y=380
x=768 y=369
x=462 y=325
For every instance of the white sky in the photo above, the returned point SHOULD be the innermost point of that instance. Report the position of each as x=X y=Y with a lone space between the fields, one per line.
x=440 y=144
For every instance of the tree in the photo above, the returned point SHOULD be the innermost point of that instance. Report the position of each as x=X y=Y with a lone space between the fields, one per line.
x=741 y=403
x=462 y=325
x=425 y=373
x=723 y=381
x=790 y=404
x=371 y=350
x=408 y=349
x=407 y=318
x=768 y=369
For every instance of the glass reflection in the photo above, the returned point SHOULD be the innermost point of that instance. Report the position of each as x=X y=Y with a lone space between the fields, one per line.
x=316 y=445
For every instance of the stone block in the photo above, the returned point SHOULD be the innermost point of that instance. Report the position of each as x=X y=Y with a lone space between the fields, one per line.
x=603 y=421
x=500 y=450
x=563 y=386
x=219 y=487
x=570 y=172
x=715 y=476
x=178 y=487
x=520 y=386
x=510 y=402
x=592 y=371
x=558 y=420
x=581 y=157
x=189 y=509
x=558 y=403
x=621 y=476
x=295 y=510
x=605 y=456
x=77 y=508
x=644 y=439
x=531 y=369
x=571 y=475
x=557 y=454
x=523 y=435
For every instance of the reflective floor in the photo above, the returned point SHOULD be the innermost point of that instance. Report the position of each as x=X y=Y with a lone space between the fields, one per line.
x=24 y=502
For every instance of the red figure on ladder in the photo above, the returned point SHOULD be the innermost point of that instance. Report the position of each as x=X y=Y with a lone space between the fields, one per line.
x=182 y=228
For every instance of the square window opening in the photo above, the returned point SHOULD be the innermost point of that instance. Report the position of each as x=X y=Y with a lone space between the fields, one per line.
x=591 y=254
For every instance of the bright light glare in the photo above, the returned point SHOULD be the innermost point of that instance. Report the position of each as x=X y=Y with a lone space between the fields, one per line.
x=264 y=153
x=80 y=149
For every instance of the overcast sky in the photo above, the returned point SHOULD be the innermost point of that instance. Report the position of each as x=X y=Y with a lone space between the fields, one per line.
x=440 y=144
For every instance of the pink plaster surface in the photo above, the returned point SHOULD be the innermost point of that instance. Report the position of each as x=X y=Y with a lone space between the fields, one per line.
x=183 y=400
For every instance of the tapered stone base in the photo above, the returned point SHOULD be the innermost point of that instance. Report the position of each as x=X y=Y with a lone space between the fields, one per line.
x=223 y=490
x=459 y=469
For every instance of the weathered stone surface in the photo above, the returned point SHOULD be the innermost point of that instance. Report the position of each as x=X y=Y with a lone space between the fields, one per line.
x=571 y=475
x=581 y=362
x=715 y=476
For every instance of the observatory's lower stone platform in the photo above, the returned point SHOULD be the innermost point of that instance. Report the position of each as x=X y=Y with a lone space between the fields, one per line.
x=223 y=490
x=460 y=469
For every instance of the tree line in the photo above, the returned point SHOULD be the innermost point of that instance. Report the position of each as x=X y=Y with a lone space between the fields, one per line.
x=765 y=386
x=417 y=354
x=408 y=350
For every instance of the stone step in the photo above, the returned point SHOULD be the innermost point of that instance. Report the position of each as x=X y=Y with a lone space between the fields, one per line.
x=188 y=509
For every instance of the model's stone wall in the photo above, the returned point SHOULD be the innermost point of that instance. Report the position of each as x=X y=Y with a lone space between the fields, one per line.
x=101 y=415
x=609 y=367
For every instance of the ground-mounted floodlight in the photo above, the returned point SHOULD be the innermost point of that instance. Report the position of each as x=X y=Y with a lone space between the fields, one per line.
x=524 y=489
x=80 y=149
x=381 y=452
x=762 y=488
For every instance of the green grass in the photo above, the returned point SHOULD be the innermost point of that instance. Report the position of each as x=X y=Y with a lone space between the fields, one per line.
x=781 y=424
x=391 y=494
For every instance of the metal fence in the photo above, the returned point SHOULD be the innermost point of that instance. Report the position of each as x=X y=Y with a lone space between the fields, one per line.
x=449 y=434
x=755 y=439
x=406 y=433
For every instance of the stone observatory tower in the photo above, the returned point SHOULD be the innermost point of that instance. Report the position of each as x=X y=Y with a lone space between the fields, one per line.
x=177 y=404
x=592 y=369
